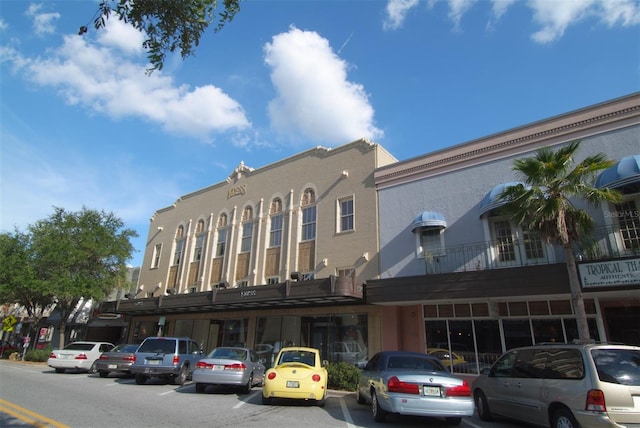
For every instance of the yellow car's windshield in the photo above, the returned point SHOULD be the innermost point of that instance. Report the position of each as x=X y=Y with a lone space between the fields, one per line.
x=307 y=358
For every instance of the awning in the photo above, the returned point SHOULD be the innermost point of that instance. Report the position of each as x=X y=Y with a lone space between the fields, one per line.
x=492 y=199
x=428 y=219
x=626 y=171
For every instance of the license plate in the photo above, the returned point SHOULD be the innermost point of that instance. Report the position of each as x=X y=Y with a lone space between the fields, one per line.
x=218 y=367
x=293 y=384
x=112 y=366
x=431 y=391
x=153 y=362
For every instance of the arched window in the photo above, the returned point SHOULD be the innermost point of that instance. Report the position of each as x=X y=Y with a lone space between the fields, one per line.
x=247 y=230
x=308 y=215
x=222 y=235
x=200 y=241
x=275 y=237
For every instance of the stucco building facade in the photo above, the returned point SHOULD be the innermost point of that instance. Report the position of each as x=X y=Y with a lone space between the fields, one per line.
x=457 y=275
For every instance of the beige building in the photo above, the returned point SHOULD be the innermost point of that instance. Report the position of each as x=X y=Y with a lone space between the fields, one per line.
x=272 y=255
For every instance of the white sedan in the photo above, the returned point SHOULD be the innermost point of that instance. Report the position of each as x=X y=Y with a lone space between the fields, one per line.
x=78 y=356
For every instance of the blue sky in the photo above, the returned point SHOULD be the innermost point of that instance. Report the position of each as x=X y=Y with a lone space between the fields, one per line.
x=81 y=124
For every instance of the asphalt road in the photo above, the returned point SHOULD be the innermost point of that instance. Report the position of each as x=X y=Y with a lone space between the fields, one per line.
x=34 y=395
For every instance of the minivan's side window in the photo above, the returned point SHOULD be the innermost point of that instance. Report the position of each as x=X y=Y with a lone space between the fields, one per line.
x=503 y=366
x=564 y=364
x=530 y=363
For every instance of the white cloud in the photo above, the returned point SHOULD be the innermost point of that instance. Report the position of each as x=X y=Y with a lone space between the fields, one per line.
x=43 y=23
x=3 y=25
x=314 y=98
x=555 y=17
x=457 y=8
x=552 y=16
x=97 y=76
x=121 y=36
x=396 y=12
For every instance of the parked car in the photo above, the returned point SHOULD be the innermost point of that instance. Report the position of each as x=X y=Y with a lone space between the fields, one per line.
x=118 y=360
x=78 y=356
x=447 y=358
x=413 y=383
x=563 y=386
x=171 y=358
x=298 y=373
x=239 y=367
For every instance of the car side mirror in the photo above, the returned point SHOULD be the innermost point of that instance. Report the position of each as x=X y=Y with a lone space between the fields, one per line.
x=485 y=371
x=325 y=363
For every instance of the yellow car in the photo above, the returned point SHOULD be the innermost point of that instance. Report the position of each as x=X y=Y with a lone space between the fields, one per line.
x=299 y=374
x=447 y=358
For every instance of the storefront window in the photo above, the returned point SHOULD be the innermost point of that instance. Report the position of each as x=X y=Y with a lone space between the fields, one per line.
x=235 y=332
x=340 y=338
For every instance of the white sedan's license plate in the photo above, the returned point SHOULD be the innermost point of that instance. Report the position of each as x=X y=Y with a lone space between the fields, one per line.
x=218 y=367
x=293 y=384
x=431 y=391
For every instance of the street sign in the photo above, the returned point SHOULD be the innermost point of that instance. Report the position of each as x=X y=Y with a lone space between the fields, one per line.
x=9 y=323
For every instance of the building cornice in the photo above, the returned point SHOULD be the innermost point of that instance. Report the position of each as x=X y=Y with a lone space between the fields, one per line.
x=615 y=114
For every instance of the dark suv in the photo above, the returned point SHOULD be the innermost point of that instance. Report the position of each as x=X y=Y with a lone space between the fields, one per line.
x=564 y=386
x=173 y=358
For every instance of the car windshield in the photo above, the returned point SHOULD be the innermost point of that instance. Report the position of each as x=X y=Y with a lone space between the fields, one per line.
x=229 y=354
x=308 y=358
x=125 y=348
x=620 y=366
x=158 y=346
x=413 y=363
x=79 y=347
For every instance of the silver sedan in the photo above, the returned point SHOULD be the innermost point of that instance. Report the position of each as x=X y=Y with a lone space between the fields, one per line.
x=412 y=383
x=229 y=366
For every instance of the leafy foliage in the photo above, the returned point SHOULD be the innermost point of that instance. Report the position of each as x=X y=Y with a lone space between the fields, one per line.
x=64 y=258
x=545 y=204
x=343 y=376
x=37 y=355
x=169 y=25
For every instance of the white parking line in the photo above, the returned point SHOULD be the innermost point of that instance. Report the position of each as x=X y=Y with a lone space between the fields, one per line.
x=347 y=415
x=168 y=392
x=245 y=400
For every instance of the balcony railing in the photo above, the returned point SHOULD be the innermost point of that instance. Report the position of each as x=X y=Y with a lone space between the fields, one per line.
x=602 y=243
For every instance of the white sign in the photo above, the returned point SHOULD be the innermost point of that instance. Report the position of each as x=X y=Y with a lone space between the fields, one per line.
x=610 y=273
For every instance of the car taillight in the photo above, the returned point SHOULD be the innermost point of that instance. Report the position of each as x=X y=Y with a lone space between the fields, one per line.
x=395 y=385
x=459 y=390
x=271 y=376
x=203 y=365
x=81 y=357
x=176 y=359
x=236 y=366
x=595 y=401
x=129 y=358
x=133 y=358
x=315 y=377
x=103 y=357
x=52 y=355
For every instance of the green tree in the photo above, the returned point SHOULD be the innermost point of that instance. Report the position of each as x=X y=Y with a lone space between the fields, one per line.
x=544 y=203
x=79 y=255
x=18 y=281
x=169 y=25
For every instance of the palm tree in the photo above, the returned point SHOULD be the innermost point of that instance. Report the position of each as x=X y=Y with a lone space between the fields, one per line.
x=543 y=203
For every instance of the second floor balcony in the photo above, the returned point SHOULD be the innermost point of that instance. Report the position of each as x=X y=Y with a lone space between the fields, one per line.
x=603 y=243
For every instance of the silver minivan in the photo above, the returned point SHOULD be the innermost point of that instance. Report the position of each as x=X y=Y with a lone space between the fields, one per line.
x=563 y=386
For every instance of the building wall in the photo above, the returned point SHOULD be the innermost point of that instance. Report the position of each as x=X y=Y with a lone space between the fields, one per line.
x=456 y=191
x=346 y=171
x=454 y=309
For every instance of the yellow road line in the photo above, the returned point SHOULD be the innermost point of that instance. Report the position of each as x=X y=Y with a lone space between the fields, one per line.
x=28 y=416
